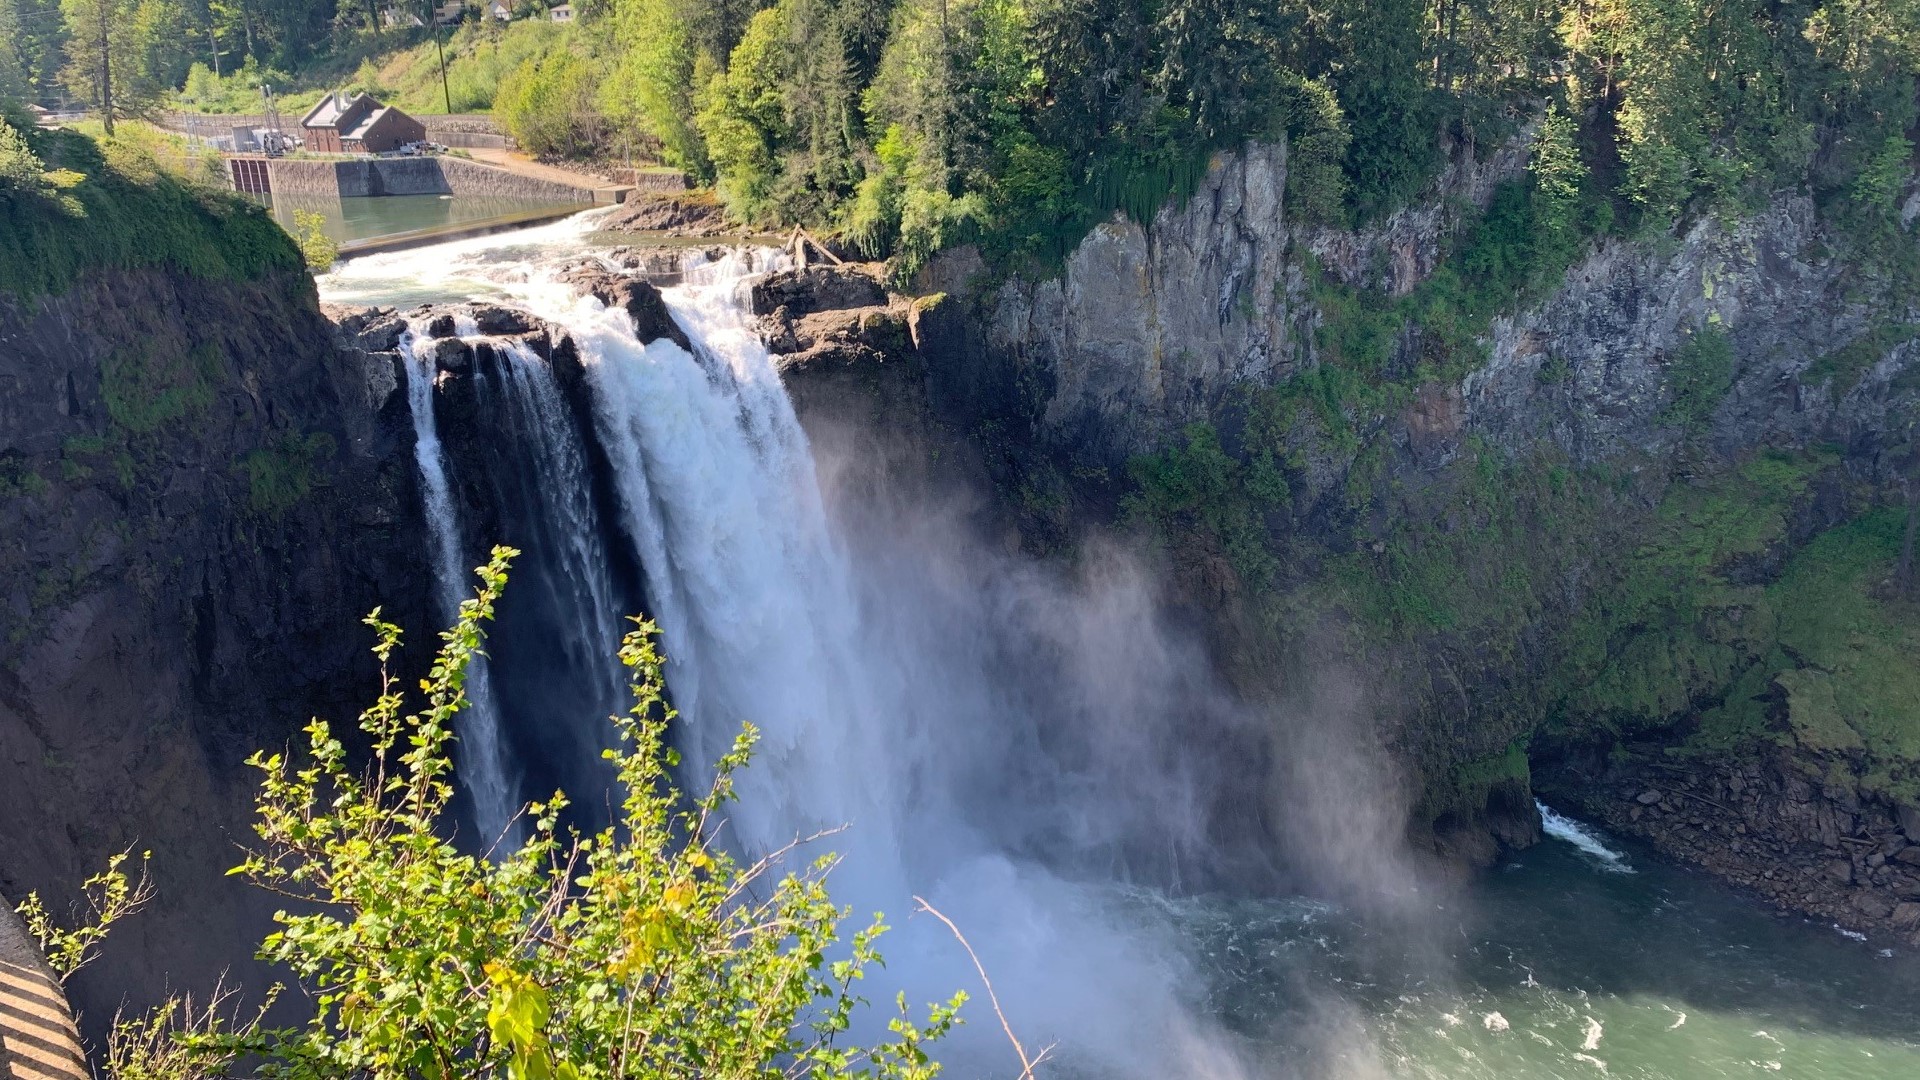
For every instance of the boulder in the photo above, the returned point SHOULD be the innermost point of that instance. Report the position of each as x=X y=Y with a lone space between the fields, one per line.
x=648 y=212
x=1906 y=915
x=818 y=288
x=1872 y=905
x=639 y=297
x=496 y=320
x=1648 y=797
x=452 y=355
x=1909 y=819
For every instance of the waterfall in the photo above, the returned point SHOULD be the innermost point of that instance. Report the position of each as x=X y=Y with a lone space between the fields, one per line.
x=878 y=707
x=998 y=736
x=717 y=491
x=533 y=704
x=1015 y=738
x=482 y=765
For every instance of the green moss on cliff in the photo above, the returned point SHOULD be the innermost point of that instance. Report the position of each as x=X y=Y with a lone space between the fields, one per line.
x=1843 y=367
x=146 y=390
x=123 y=210
x=1700 y=376
x=1470 y=784
x=1855 y=644
x=283 y=474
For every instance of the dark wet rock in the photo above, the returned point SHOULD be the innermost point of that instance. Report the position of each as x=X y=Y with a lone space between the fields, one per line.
x=667 y=212
x=640 y=298
x=1909 y=818
x=452 y=355
x=497 y=320
x=818 y=288
x=188 y=592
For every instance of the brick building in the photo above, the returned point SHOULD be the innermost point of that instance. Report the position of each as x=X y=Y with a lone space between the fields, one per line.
x=358 y=125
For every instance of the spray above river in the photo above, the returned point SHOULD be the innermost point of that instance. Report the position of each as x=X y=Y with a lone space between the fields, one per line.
x=1026 y=744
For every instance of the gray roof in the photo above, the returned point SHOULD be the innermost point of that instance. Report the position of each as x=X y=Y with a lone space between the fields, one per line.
x=331 y=108
x=360 y=132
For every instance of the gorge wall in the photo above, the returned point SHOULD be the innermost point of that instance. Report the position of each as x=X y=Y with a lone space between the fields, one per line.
x=199 y=502
x=1588 y=534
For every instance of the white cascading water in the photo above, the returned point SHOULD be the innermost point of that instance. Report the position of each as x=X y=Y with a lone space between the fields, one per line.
x=483 y=770
x=540 y=423
x=876 y=713
x=1561 y=827
x=718 y=493
x=764 y=622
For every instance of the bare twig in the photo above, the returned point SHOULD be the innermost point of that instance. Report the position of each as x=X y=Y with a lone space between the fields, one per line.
x=1027 y=1064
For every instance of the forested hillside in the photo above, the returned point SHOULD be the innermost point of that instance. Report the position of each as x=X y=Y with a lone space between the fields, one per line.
x=907 y=125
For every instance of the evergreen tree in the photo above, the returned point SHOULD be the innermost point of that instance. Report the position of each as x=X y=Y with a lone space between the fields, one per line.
x=16 y=84
x=109 y=57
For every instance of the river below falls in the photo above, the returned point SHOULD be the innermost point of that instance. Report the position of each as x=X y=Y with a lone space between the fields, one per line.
x=1558 y=964
x=1581 y=957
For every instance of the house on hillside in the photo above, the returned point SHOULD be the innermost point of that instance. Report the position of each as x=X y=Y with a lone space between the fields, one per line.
x=499 y=11
x=401 y=19
x=560 y=13
x=358 y=125
x=450 y=13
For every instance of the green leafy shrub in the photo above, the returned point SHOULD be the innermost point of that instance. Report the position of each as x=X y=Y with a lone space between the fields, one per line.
x=1700 y=375
x=123 y=209
x=319 y=250
x=109 y=896
x=647 y=949
x=547 y=103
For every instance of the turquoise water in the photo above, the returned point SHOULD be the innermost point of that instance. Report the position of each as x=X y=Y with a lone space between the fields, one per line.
x=1552 y=966
x=352 y=219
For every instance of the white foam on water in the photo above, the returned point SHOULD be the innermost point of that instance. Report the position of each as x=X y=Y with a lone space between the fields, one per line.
x=491 y=265
x=1564 y=828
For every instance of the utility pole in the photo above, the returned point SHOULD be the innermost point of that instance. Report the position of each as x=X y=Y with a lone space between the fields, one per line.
x=446 y=93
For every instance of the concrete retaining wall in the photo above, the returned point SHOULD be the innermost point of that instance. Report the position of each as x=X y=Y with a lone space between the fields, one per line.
x=473 y=178
x=38 y=1040
x=471 y=139
x=415 y=176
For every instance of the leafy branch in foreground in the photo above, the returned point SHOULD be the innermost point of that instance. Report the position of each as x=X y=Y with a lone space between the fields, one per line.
x=109 y=896
x=645 y=950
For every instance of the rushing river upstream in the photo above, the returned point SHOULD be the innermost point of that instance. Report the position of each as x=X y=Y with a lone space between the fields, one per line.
x=1007 y=738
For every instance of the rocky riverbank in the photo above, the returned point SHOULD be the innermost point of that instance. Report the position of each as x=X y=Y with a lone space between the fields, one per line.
x=1819 y=848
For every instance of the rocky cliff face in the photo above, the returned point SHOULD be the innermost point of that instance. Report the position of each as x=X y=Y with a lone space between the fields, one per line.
x=200 y=500
x=1482 y=531
x=1591 y=369
x=1149 y=328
